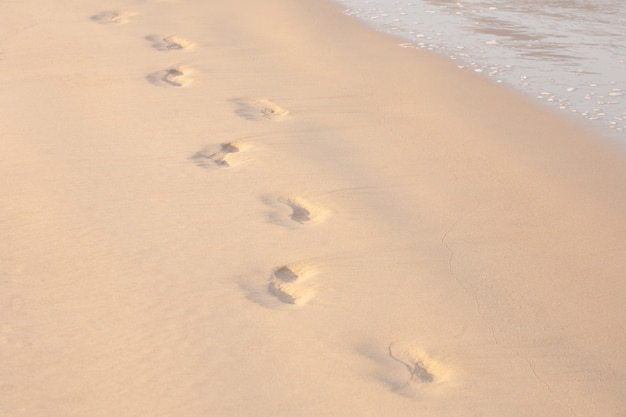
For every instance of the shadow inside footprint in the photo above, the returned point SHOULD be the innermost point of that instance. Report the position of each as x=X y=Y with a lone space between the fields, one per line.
x=258 y=109
x=282 y=293
x=285 y=274
x=229 y=148
x=292 y=210
x=287 y=285
x=112 y=17
x=419 y=371
x=172 y=77
x=425 y=373
x=422 y=368
x=299 y=213
x=207 y=158
x=169 y=43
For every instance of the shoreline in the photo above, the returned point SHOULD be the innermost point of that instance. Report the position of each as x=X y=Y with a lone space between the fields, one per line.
x=272 y=209
x=485 y=50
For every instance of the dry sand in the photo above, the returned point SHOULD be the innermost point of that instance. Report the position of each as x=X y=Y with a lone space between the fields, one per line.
x=265 y=208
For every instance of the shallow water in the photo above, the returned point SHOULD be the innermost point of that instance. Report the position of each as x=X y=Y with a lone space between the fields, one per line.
x=569 y=54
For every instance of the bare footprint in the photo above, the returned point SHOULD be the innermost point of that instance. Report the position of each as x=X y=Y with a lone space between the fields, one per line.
x=288 y=284
x=209 y=157
x=172 y=77
x=422 y=368
x=109 y=17
x=301 y=211
x=169 y=43
x=259 y=108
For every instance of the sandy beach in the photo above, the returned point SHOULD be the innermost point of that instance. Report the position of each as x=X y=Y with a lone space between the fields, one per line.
x=253 y=208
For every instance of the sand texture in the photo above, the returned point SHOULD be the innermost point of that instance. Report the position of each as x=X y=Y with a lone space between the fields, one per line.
x=266 y=208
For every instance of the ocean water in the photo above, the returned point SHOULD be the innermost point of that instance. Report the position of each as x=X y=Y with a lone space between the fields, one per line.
x=569 y=54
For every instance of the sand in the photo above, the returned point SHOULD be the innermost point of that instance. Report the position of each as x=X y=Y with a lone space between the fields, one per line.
x=253 y=208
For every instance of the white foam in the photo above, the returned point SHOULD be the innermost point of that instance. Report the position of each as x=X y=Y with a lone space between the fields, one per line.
x=563 y=47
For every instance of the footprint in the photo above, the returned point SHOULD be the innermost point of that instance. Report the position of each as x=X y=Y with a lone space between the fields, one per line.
x=301 y=210
x=423 y=369
x=169 y=43
x=288 y=284
x=175 y=77
x=113 y=17
x=259 y=108
x=208 y=157
x=172 y=77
